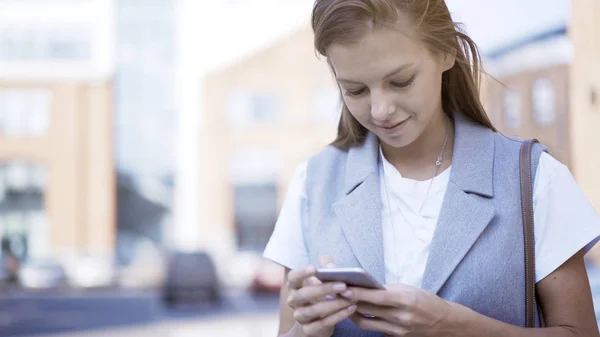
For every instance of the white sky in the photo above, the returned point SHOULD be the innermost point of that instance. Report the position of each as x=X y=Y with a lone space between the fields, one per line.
x=493 y=23
x=239 y=27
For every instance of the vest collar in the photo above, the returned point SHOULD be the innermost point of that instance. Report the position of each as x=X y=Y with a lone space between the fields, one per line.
x=472 y=162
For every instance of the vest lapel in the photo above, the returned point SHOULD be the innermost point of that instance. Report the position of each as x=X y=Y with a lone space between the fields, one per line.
x=467 y=208
x=466 y=211
x=358 y=212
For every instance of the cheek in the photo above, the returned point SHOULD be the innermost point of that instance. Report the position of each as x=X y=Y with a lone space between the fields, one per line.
x=425 y=97
x=360 y=109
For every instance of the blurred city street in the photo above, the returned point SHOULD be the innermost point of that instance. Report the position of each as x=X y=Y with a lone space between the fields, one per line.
x=114 y=313
x=141 y=315
x=246 y=325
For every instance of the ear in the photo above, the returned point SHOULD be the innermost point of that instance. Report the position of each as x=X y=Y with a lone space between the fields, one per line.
x=448 y=60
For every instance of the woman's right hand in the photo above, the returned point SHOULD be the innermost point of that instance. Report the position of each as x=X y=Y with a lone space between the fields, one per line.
x=317 y=308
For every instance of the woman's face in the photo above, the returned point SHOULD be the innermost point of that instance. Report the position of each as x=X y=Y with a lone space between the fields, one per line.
x=391 y=83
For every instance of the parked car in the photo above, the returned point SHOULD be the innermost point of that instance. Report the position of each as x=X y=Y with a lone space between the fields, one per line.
x=191 y=278
x=42 y=274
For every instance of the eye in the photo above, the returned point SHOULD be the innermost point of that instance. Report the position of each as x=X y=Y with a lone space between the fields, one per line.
x=354 y=93
x=404 y=84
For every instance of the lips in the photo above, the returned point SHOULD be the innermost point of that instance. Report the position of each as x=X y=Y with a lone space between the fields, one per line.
x=391 y=126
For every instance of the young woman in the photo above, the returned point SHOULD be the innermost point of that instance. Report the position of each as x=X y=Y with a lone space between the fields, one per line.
x=421 y=191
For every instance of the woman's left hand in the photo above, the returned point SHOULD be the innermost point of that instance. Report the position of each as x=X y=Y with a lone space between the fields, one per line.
x=401 y=310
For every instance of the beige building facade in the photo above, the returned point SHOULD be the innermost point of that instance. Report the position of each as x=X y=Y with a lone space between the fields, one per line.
x=548 y=87
x=57 y=169
x=62 y=144
x=527 y=94
x=585 y=97
x=543 y=100
x=264 y=117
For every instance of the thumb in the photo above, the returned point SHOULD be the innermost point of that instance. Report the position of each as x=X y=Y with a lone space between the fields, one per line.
x=326 y=262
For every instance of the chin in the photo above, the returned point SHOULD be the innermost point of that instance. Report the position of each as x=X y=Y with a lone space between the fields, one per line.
x=399 y=141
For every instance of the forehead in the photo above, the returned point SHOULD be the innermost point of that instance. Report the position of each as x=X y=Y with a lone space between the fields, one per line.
x=376 y=53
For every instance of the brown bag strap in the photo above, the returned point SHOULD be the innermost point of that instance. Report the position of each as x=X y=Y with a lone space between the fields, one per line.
x=528 y=232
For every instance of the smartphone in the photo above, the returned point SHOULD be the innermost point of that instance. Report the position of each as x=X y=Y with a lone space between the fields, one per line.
x=354 y=277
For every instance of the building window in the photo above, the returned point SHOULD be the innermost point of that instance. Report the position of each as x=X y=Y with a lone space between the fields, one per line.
x=38 y=176
x=246 y=108
x=543 y=101
x=255 y=208
x=20 y=43
x=16 y=176
x=25 y=112
x=512 y=108
x=254 y=176
x=327 y=106
x=23 y=221
x=264 y=108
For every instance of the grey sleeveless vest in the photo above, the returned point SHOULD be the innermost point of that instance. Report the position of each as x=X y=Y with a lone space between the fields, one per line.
x=476 y=256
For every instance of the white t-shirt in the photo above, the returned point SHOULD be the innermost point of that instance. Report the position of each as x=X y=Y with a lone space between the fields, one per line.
x=565 y=221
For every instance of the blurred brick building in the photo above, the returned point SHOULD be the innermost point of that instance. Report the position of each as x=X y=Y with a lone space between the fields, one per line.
x=57 y=180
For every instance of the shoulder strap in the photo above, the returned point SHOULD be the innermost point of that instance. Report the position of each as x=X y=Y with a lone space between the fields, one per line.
x=528 y=232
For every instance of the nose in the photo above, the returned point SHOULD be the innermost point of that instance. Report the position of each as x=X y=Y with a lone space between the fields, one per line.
x=382 y=106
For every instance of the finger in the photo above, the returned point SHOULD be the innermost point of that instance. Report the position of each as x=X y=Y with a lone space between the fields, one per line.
x=307 y=314
x=385 y=297
x=326 y=262
x=377 y=311
x=297 y=276
x=374 y=296
x=329 y=321
x=375 y=324
x=306 y=295
x=311 y=281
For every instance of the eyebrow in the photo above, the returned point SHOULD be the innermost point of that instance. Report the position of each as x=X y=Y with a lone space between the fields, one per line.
x=392 y=73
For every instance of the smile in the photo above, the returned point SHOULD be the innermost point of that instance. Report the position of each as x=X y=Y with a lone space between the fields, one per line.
x=393 y=128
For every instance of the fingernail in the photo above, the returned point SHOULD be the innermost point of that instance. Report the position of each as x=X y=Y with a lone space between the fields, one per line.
x=330 y=297
x=330 y=265
x=347 y=293
x=352 y=308
x=310 y=269
x=339 y=287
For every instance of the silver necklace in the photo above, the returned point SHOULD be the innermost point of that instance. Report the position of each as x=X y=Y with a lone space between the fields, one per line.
x=438 y=163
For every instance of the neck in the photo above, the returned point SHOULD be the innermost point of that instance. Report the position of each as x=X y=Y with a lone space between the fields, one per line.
x=416 y=159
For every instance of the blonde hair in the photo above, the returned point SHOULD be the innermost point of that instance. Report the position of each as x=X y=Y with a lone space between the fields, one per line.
x=346 y=21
